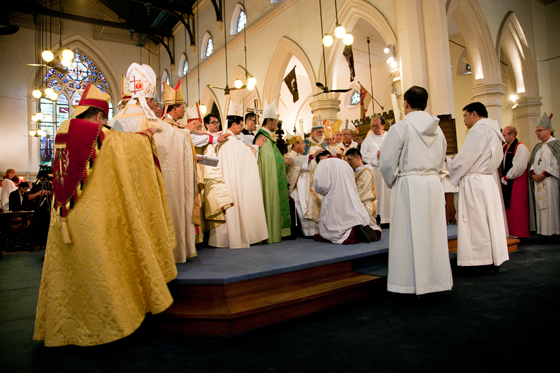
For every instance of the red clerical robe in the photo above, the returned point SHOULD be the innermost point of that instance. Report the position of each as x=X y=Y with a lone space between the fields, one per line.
x=516 y=191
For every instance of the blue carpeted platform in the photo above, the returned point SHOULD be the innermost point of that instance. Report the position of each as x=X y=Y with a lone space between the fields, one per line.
x=224 y=266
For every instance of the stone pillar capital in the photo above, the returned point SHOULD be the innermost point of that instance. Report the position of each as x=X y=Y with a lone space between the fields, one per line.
x=527 y=106
x=328 y=107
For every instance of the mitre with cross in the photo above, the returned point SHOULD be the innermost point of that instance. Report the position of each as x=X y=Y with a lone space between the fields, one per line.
x=142 y=85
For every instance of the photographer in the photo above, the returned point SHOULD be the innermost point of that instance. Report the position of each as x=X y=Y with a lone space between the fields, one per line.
x=40 y=198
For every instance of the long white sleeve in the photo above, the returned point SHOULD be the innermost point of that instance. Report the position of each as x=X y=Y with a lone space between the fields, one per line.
x=369 y=152
x=390 y=154
x=520 y=161
x=468 y=155
x=201 y=140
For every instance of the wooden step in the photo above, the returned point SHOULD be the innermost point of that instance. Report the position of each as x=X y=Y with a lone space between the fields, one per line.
x=511 y=242
x=245 y=305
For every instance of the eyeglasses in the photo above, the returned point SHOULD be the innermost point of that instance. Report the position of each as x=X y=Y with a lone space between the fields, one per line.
x=537 y=131
x=214 y=122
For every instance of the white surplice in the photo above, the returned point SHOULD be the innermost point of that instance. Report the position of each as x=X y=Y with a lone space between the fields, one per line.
x=245 y=220
x=369 y=149
x=8 y=187
x=341 y=208
x=412 y=157
x=547 y=203
x=482 y=230
x=298 y=174
x=177 y=167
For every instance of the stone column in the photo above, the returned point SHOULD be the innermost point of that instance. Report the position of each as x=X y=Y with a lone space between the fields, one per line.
x=423 y=51
x=398 y=110
x=489 y=95
x=328 y=105
x=527 y=111
x=438 y=59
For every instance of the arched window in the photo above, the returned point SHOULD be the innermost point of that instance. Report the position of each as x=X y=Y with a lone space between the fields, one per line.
x=355 y=99
x=69 y=87
x=464 y=67
x=164 y=78
x=238 y=19
x=207 y=45
x=183 y=66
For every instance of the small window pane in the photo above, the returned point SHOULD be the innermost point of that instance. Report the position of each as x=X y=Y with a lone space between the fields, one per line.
x=355 y=100
x=241 y=21
x=209 y=47
x=185 y=67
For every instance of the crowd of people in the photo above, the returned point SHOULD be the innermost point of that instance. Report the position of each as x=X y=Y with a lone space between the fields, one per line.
x=180 y=180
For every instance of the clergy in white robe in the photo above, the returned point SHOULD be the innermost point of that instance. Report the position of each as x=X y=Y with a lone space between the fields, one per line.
x=175 y=156
x=544 y=168
x=342 y=208
x=245 y=220
x=299 y=179
x=8 y=187
x=412 y=157
x=371 y=152
x=482 y=234
x=347 y=131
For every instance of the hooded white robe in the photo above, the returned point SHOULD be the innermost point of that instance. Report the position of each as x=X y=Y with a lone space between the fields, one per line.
x=369 y=149
x=245 y=220
x=482 y=232
x=342 y=208
x=177 y=167
x=412 y=157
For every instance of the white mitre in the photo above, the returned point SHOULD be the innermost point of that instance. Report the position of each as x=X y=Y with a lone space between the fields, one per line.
x=269 y=110
x=348 y=126
x=142 y=85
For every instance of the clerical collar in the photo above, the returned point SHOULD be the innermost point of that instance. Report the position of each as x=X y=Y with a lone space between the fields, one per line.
x=245 y=132
x=358 y=169
x=266 y=129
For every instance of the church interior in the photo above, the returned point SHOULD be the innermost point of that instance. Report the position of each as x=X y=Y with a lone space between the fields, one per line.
x=231 y=54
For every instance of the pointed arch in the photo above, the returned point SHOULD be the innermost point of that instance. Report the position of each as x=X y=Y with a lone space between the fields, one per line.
x=209 y=98
x=79 y=42
x=348 y=15
x=471 y=22
x=512 y=40
x=279 y=61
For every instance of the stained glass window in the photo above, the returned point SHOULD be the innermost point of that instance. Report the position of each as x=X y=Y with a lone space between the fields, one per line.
x=185 y=67
x=69 y=87
x=242 y=21
x=209 y=47
x=355 y=100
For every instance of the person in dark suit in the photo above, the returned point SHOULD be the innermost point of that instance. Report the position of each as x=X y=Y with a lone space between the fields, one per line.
x=18 y=198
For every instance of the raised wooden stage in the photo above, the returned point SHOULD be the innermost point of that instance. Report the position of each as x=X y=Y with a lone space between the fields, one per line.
x=225 y=292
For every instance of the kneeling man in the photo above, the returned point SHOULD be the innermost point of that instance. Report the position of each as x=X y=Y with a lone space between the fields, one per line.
x=343 y=218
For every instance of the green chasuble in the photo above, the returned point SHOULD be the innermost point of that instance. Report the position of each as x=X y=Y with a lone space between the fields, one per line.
x=272 y=171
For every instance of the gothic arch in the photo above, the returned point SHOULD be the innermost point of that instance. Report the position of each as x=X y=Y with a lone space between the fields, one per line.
x=208 y=98
x=471 y=22
x=279 y=61
x=79 y=42
x=512 y=40
x=349 y=14
x=242 y=95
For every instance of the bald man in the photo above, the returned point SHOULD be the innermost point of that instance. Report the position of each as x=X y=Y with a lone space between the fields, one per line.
x=514 y=183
